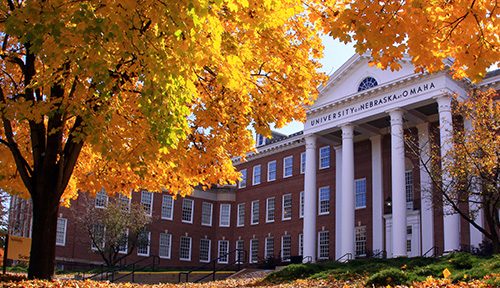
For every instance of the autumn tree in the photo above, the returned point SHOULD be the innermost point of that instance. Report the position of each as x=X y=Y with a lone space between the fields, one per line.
x=145 y=94
x=473 y=187
x=428 y=30
x=115 y=226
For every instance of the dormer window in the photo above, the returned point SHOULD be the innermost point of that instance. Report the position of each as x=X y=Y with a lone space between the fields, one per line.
x=367 y=83
x=260 y=140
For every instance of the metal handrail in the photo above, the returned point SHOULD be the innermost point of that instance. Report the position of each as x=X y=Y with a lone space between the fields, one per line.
x=348 y=257
x=434 y=249
x=307 y=259
x=140 y=268
x=114 y=270
x=382 y=253
x=238 y=261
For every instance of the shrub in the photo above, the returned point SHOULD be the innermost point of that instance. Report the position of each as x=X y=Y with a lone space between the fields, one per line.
x=391 y=276
x=293 y=272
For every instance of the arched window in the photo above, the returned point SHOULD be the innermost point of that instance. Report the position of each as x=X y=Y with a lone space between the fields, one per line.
x=367 y=83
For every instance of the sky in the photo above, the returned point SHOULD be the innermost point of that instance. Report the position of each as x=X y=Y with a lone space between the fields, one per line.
x=335 y=54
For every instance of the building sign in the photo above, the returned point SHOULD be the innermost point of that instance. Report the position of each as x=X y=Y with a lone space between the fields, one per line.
x=19 y=248
x=373 y=103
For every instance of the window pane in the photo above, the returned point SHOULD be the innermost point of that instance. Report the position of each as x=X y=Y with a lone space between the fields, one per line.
x=243 y=181
x=324 y=157
x=324 y=200
x=288 y=166
x=206 y=214
x=223 y=250
x=204 y=250
x=147 y=202
x=185 y=249
x=324 y=245
x=61 y=231
x=255 y=212
x=270 y=210
x=287 y=206
x=225 y=215
x=241 y=214
x=360 y=193
x=187 y=210
x=286 y=247
x=256 y=175
x=254 y=250
x=165 y=245
x=167 y=207
x=360 y=241
x=271 y=171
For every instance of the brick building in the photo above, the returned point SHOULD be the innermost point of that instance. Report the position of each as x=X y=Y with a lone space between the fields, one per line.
x=361 y=193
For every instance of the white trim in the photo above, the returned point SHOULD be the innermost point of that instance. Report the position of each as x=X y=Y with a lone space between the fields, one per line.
x=225 y=218
x=239 y=217
x=165 y=199
x=289 y=216
x=320 y=190
x=210 y=216
x=185 y=206
x=321 y=158
x=65 y=225
x=188 y=249
x=254 y=175
x=168 y=246
x=269 y=171
x=285 y=167
x=254 y=217
x=268 y=210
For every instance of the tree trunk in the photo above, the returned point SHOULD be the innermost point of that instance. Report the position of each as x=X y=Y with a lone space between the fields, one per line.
x=44 y=232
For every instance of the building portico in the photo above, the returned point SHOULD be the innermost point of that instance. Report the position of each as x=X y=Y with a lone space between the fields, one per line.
x=362 y=103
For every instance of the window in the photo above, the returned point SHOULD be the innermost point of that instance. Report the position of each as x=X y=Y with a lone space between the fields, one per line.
x=301 y=208
x=409 y=189
x=243 y=181
x=360 y=241
x=147 y=202
x=123 y=243
x=187 y=210
x=225 y=215
x=185 y=249
x=206 y=214
x=324 y=200
x=271 y=171
x=124 y=202
x=98 y=237
x=324 y=157
x=167 y=207
x=367 y=83
x=323 y=245
x=269 y=251
x=143 y=245
x=223 y=250
x=260 y=140
x=254 y=250
x=255 y=212
x=360 y=186
x=101 y=199
x=165 y=245
x=241 y=215
x=303 y=163
x=288 y=166
x=240 y=254
x=205 y=250
x=287 y=207
x=286 y=247
x=61 y=231
x=256 y=175
x=301 y=244
x=409 y=232
x=270 y=210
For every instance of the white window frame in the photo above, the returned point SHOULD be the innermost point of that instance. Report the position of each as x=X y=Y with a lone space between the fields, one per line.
x=148 y=207
x=225 y=215
x=270 y=209
x=62 y=224
x=269 y=247
x=207 y=213
x=101 y=199
x=271 y=172
x=255 y=212
x=322 y=193
x=187 y=209
x=357 y=193
x=93 y=246
x=323 y=245
x=257 y=174
x=254 y=253
x=360 y=240
x=223 y=251
x=286 y=207
x=124 y=249
x=243 y=182
x=147 y=247
x=288 y=167
x=324 y=157
x=286 y=251
x=240 y=221
x=167 y=243
x=207 y=252
x=188 y=249
x=167 y=207
x=301 y=207
x=302 y=162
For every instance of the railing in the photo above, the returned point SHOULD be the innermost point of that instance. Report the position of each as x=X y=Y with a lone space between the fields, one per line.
x=238 y=261
x=109 y=274
x=344 y=258
x=434 y=250
x=380 y=254
x=307 y=259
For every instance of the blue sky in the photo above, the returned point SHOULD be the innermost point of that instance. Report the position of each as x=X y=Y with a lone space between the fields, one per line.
x=336 y=54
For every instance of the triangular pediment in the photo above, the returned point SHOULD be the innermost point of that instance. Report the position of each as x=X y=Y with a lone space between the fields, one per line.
x=345 y=81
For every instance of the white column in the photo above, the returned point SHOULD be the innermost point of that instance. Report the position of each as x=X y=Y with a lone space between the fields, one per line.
x=378 y=197
x=398 y=184
x=338 y=202
x=427 y=212
x=348 y=239
x=476 y=237
x=309 y=228
x=451 y=221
